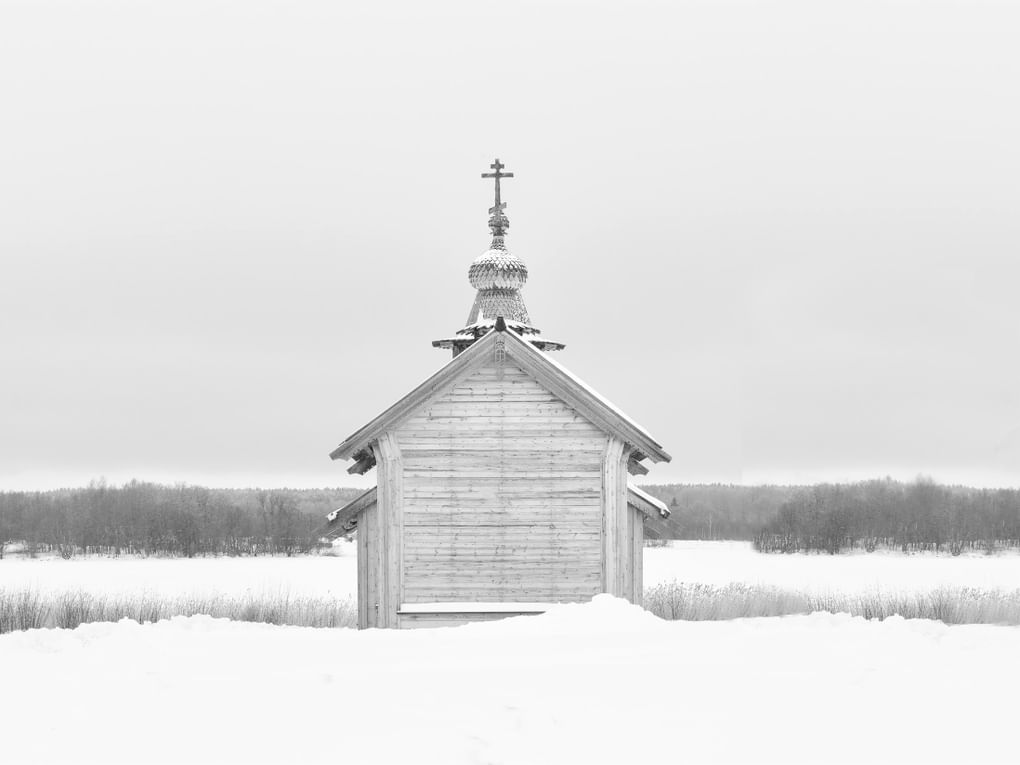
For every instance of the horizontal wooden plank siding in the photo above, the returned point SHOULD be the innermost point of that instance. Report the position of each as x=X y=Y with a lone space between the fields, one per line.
x=502 y=487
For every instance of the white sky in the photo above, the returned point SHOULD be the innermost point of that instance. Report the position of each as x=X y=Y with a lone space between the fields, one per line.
x=783 y=235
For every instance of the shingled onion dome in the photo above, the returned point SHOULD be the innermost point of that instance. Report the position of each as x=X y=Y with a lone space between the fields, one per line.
x=498 y=276
x=497 y=269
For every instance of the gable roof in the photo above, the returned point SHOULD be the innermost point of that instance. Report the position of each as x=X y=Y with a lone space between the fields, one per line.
x=345 y=519
x=576 y=394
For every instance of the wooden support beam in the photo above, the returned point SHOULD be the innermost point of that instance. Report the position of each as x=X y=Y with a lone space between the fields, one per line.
x=639 y=556
x=636 y=468
x=614 y=516
x=344 y=519
x=364 y=574
x=365 y=464
x=390 y=507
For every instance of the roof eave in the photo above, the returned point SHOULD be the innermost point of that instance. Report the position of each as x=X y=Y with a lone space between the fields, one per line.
x=613 y=419
x=361 y=438
x=343 y=520
x=646 y=502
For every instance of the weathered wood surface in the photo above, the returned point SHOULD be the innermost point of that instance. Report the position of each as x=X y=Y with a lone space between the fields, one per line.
x=345 y=519
x=615 y=543
x=497 y=491
x=427 y=621
x=390 y=530
x=362 y=466
x=478 y=607
x=556 y=384
x=637 y=554
x=369 y=568
x=636 y=468
x=501 y=494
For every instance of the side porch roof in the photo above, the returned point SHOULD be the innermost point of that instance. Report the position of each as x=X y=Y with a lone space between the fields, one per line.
x=344 y=520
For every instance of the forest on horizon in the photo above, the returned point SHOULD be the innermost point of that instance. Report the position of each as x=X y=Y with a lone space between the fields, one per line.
x=173 y=520
x=880 y=513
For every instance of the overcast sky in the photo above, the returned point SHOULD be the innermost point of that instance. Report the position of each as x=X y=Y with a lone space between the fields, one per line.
x=781 y=235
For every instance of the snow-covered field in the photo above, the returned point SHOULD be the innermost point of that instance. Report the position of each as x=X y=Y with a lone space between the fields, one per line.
x=603 y=682
x=307 y=575
x=717 y=563
x=721 y=563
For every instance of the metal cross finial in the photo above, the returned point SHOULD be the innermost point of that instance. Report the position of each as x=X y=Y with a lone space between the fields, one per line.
x=498 y=222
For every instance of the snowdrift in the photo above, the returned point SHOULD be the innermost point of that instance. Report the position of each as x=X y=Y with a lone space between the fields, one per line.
x=603 y=682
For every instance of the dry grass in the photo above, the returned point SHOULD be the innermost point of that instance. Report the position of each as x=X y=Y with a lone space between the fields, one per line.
x=25 y=609
x=952 y=605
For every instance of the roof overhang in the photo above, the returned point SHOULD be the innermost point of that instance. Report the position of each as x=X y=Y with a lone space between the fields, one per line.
x=655 y=512
x=345 y=519
x=646 y=503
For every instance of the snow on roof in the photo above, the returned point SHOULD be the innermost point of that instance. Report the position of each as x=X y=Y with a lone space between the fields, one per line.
x=658 y=503
x=344 y=519
x=594 y=393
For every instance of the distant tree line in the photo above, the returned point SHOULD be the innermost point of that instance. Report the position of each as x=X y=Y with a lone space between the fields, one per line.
x=918 y=516
x=155 y=519
x=718 y=511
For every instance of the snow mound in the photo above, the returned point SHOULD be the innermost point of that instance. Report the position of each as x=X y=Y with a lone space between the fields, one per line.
x=604 y=614
x=595 y=683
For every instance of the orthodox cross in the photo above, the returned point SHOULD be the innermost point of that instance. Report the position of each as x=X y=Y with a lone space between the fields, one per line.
x=498 y=221
x=498 y=167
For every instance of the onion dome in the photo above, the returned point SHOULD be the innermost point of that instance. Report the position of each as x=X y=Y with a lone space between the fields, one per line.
x=497 y=269
x=498 y=276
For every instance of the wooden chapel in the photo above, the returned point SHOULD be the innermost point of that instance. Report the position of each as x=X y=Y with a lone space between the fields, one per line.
x=501 y=480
